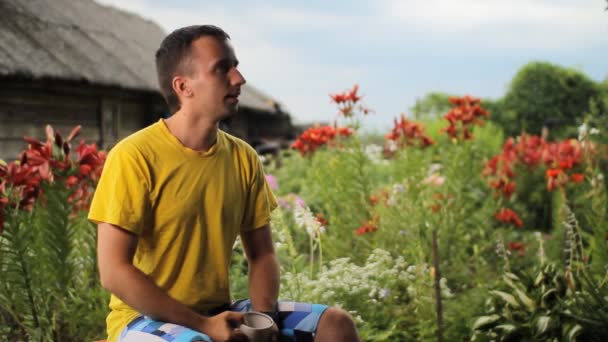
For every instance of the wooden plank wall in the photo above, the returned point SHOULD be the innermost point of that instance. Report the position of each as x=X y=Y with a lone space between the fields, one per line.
x=106 y=115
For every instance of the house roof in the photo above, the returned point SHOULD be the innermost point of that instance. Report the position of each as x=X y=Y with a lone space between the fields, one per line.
x=88 y=42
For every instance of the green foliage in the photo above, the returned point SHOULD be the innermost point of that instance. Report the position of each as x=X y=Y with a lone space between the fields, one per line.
x=544 y=306
x=565 y=300
x=432 y=106
x=589 y=306
x=543 y=94
x=350 y=175
x=50 y=288
x=462 y=310
x=506 y=119
x=595 y=217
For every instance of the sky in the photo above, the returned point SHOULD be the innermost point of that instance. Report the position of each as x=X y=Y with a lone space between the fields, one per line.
x=299 y=52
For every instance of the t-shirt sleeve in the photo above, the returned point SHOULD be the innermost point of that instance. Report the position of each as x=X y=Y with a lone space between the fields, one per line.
x=122 y=194
x=260 y=202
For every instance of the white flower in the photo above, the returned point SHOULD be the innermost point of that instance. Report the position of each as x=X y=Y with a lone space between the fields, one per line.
x=398 y=188
x=582 y=129
x=434 y=168
x=384 y=292
x=305 y=219
x=374 y=153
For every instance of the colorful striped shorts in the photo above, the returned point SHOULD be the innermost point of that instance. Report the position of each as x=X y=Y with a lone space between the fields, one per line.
x=297 y=322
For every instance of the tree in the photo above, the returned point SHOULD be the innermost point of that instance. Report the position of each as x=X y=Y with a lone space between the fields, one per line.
x=544 y=94
x=432 y=105
x=499 y=115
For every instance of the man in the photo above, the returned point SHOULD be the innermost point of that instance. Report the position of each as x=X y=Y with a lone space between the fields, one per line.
x=170 y=203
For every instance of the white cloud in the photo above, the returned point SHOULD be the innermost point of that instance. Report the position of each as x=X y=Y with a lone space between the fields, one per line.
x=509 y=24
x=289 y=18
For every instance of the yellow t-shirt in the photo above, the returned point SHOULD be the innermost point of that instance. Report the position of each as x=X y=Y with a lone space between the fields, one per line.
x=187 y=208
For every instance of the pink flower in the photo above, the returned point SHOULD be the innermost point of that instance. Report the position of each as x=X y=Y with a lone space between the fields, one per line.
x=272 y=182
x=434 y=179
x=291 y=200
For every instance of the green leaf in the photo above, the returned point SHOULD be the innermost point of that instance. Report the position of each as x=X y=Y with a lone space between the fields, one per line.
x=539 y=278
x=542 y=324
x=525 y=299
x=506 y=328
x=574 y=332
x=509 y=279
x=485 y=321
x=506 y=297
x=548 y=297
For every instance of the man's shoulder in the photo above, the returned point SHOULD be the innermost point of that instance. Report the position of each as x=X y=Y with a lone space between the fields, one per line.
x=138 y=141
x=237 y=143
x=138 y=146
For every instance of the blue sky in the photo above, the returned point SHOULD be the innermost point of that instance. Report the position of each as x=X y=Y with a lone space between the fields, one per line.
x=396 y=50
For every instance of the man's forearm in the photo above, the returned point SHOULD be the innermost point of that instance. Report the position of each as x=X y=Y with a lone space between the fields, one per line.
x=138 y=291
x=264 y=282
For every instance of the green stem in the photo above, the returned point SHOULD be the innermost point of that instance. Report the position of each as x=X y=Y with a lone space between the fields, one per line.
x=438 y=303
x=320 y=251
x=312 y=257
x=28 y=288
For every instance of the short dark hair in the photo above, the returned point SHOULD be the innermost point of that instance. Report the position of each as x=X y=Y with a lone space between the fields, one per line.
x=173 y=54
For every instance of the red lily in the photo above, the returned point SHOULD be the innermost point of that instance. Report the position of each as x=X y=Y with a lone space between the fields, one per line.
x=407 y=133
x=520 y=247
x=508 y=216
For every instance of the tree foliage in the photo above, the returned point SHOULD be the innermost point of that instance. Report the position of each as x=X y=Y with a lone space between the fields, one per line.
x=544 y=94
x=432 y=105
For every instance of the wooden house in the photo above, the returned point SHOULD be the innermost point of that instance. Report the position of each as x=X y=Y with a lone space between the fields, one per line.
x=67 y=63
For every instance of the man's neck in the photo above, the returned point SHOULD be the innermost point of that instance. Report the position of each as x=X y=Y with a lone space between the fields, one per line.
x=193 y=131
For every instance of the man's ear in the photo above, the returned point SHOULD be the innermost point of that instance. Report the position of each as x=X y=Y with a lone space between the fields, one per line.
x=181 y=86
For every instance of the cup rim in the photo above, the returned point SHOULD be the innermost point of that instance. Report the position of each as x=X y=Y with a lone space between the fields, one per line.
x=256 y=313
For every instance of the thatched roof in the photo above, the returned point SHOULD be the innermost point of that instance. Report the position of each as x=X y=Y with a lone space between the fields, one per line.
x=88 y=42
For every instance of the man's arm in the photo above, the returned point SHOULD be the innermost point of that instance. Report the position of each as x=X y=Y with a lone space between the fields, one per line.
x=263 y=268
x=115 y=251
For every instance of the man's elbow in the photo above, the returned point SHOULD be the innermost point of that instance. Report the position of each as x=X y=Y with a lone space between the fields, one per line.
x=109 y=277
x=106 y=280
x=264 y=260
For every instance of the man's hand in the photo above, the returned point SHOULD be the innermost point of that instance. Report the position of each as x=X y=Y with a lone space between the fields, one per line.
x=224 y=327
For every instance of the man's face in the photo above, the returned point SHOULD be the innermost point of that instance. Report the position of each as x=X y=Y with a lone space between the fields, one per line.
x=214 y=78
